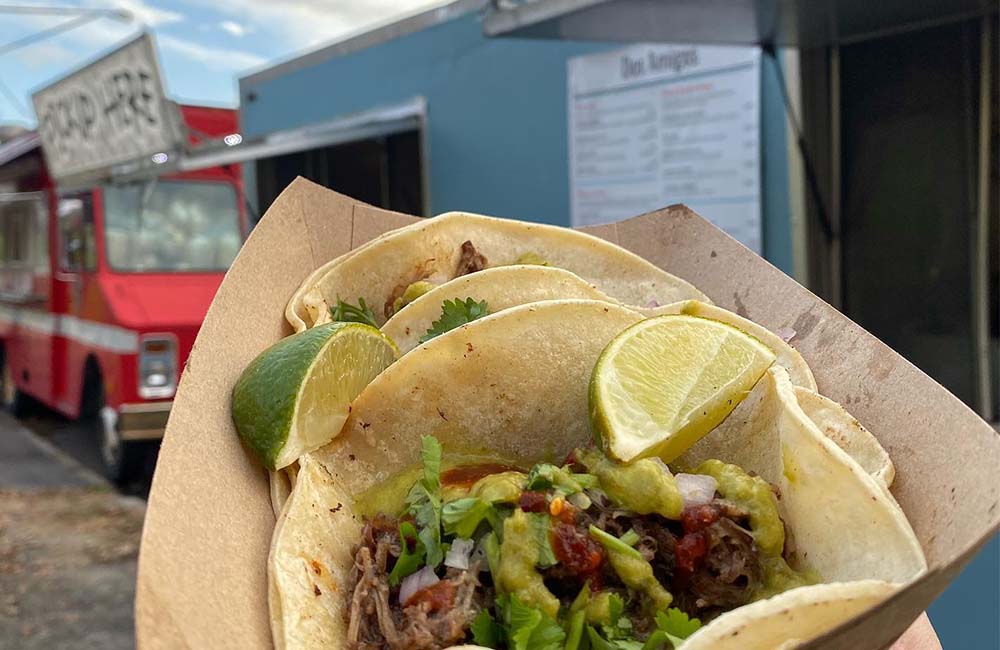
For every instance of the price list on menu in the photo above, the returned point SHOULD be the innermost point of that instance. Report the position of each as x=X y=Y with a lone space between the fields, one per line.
x=653 y=125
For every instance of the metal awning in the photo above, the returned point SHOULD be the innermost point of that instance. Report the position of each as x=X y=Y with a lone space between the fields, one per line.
x=802 y=23
x=18 y=146
x=349 y=128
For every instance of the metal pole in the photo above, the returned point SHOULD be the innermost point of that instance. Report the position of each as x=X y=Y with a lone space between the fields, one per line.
x=836 y=221
x=981 y=233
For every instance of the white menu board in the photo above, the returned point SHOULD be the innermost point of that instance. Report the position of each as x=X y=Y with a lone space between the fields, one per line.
x=653 y=125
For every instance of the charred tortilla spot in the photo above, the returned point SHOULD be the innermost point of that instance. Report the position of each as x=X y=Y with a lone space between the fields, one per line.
x=317 y=569
x=317 y=591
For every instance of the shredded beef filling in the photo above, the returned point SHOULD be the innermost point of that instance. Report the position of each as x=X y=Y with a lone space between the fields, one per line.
x=708 y=560
x=470 y=260
x=435 y=618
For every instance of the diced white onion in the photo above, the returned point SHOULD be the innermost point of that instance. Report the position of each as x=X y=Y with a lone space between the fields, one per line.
x=785 y=333
x=652 y=304
x=696 y=489
x=663 y=466
x=415 y=582
x=580 y=500
x=458 y=554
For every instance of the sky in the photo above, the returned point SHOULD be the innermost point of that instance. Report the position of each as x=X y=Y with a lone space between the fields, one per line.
x=204 y=45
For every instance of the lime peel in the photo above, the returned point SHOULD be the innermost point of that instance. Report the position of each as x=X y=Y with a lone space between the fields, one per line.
x=296 y=395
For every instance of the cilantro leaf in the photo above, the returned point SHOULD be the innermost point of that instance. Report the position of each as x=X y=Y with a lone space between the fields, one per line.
x=545 y=475
x=455 y=313
x=462 y=517
x=529 y=628
x=430 y=456
x=348 y=313
x=409 y=560
x=676 y=623
x=541 y=525
x=485 y=631
x=424 y=501
x=541 y=477
x=672 y=626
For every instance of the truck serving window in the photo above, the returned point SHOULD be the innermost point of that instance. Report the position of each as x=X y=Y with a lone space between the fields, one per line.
x=76 y=228
x=171 y=225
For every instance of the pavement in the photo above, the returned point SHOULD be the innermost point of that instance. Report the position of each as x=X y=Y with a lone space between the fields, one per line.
x=68 y=549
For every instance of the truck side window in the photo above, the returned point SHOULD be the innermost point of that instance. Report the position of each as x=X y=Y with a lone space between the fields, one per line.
x=76 y=233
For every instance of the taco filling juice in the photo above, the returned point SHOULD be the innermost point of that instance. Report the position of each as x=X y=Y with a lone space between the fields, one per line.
x=592 y=553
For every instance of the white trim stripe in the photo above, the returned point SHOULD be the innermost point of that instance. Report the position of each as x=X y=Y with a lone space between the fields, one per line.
x=88 y=332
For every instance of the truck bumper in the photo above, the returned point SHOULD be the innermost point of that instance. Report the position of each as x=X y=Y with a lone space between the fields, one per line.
x=144 y=421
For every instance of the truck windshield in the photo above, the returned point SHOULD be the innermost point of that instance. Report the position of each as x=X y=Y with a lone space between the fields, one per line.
x=174 y=225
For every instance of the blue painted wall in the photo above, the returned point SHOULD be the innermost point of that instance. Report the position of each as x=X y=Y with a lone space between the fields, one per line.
x=497 y=111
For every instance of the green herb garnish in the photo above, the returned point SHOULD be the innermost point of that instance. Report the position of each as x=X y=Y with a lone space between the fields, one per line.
x=541 y=525
x=672 y=626
x=485 y=631
x=612 y=543
x=528 y=628
x=347 y=313
x=462 y=517
x=455 y=313
x=424 y=501
x=409 y=560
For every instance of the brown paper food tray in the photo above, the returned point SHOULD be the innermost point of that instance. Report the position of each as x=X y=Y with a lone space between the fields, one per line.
x=208 y=525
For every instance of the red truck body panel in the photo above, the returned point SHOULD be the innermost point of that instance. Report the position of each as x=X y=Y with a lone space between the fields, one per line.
x=54 y=320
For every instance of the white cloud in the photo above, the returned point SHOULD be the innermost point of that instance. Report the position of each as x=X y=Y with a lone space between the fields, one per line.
x=233 y=28
x=216 y=58
x=301 y=24
x=143 y=13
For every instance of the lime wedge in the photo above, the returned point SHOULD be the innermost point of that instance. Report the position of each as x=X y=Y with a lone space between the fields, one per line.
x=296 y=395
x=665 y=382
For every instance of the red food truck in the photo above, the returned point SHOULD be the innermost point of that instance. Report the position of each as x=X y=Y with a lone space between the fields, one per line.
x=103 y=287
x=110 y=255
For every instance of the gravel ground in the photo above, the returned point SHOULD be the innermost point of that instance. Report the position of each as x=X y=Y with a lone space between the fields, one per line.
x=67 y=568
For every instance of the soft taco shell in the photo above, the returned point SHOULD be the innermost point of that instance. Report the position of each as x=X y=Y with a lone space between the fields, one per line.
x=787 y=356
x=790 y=618
x=841 y=427
x=844 y=522
x=430 y=249
x=515 y=384
x=501 y=287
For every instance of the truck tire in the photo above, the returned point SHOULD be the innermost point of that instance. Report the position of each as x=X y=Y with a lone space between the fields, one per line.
x=15 y=401
x=123 y=460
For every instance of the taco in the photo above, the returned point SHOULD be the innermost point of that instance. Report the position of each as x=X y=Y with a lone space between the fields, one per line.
x=520 y=534
x=396 y=268
x=503 y=287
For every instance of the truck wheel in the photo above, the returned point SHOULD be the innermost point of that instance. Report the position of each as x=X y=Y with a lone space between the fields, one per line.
x=15 y=401
x=124 y=461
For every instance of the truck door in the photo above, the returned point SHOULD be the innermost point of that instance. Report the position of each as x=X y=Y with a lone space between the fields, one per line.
x=77 y=261
x=24 y=271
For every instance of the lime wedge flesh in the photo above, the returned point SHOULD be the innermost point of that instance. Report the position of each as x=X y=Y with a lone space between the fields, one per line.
x=296 y=396
x=665 y=382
